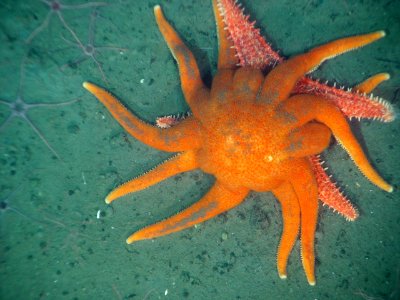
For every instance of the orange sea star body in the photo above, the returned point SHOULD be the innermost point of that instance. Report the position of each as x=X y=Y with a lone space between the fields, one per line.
x=251 y=133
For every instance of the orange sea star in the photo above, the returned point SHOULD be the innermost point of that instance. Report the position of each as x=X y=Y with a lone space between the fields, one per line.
x=251 y=133
x=253 y=51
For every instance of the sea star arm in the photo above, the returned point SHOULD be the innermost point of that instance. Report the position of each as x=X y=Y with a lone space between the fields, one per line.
x=280 y=82
x=218 y=200
x=182 y=162
x=234 y=86
x=353 y=103
x=183 y=136
x=226 y=53
x=194 y=90
x=291 y=224
x=329 y=193
x=307 y=107
x=309 y=139
x=306 y=189
x=252 y=50
x=371 y=83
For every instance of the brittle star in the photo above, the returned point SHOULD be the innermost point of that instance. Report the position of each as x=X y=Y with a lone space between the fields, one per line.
x=19 y=108
x=55 y=7
x=4 y=205
x=90 y=50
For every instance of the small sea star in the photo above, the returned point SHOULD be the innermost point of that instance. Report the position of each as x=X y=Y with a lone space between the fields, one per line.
x=251 y=133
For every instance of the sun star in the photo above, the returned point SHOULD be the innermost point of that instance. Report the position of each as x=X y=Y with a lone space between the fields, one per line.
x=253 y=51
x=251 y=133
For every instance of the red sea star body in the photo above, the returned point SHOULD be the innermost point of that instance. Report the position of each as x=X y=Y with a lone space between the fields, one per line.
x=251 y=133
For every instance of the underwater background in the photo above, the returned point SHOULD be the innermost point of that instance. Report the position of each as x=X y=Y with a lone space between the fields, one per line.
x=62 y=152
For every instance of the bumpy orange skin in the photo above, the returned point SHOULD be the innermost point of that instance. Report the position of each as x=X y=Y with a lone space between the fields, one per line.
x=243 y=144
x=251 y=134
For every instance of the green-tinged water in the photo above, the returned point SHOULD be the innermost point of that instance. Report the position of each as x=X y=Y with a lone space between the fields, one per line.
x=59 y=240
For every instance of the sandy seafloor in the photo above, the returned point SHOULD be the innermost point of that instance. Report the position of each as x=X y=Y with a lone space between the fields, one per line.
x=56 y=248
